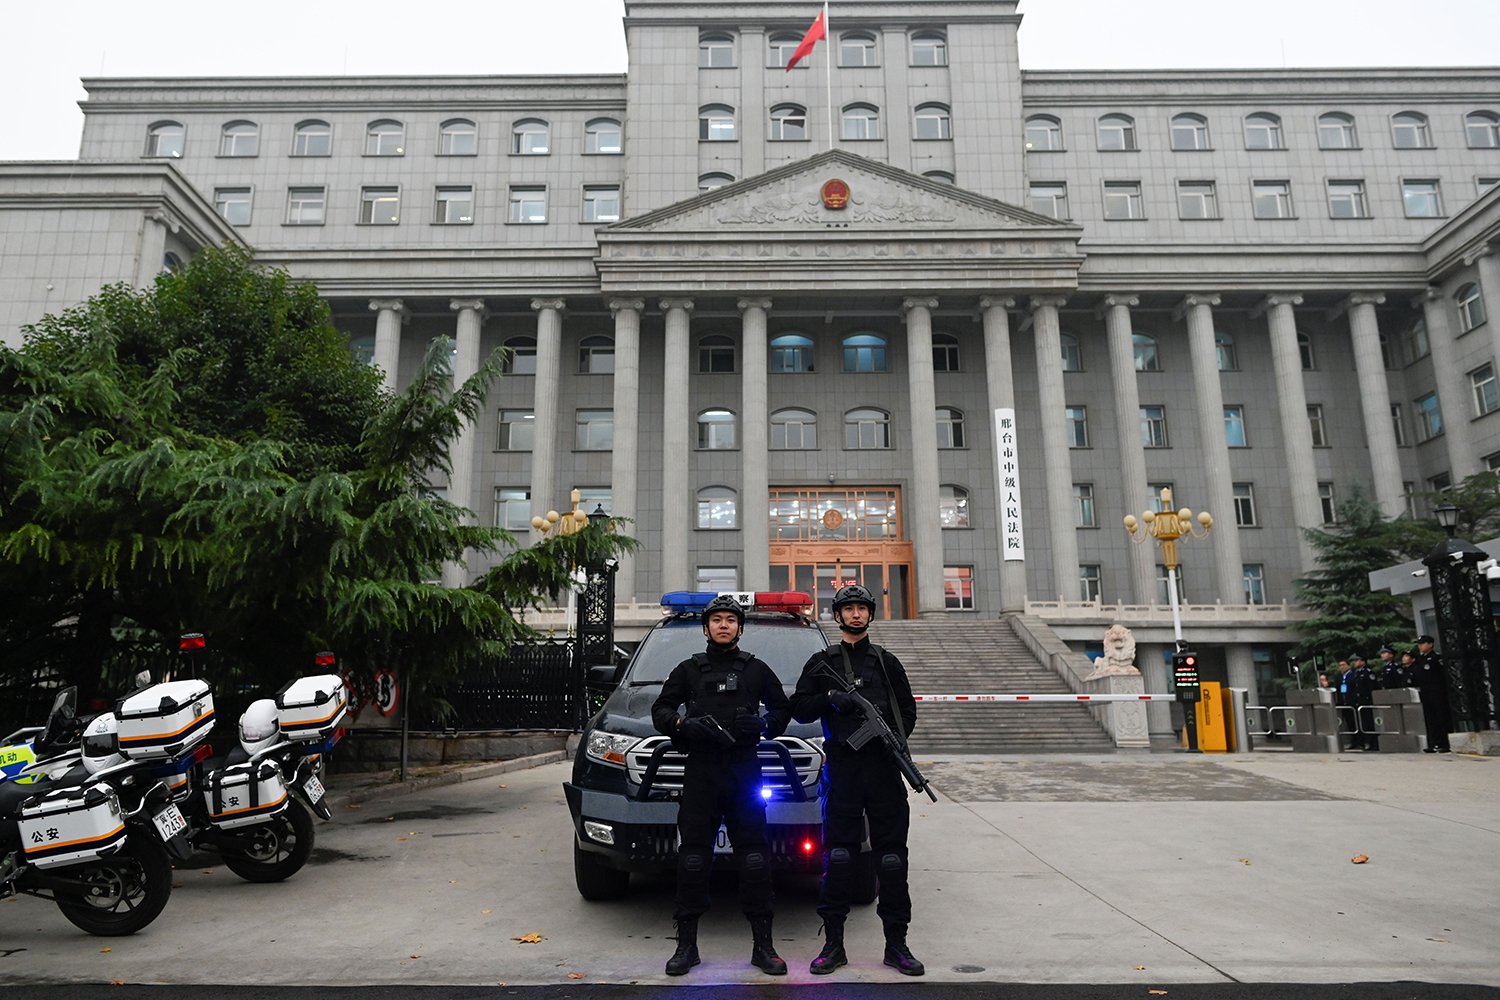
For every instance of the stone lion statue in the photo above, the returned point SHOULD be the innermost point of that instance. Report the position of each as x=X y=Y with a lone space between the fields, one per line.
x=1119 y=654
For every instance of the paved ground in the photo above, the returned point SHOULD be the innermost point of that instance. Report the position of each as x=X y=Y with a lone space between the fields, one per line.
x=1193 y=874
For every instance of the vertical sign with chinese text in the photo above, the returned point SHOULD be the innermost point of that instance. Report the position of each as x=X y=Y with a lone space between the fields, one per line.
x=1008 y=481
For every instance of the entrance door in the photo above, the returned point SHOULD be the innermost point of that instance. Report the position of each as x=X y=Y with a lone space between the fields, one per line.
x=823 y=539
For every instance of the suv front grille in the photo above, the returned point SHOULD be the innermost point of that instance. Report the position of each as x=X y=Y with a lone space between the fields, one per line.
x=807 y=760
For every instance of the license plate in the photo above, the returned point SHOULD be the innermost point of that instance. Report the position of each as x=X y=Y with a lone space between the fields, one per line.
x=721 y=841
x=314 y=788
x=169 y=822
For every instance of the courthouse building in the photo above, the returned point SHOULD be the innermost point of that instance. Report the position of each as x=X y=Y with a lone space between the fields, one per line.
x=924 y=320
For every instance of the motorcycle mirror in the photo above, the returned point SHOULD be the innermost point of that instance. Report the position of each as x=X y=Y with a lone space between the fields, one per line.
x=143 y=679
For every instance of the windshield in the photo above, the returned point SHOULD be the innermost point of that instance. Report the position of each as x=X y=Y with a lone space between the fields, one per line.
x=784 y=644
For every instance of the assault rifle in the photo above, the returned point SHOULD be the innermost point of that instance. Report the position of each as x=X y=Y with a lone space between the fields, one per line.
x=875 y=727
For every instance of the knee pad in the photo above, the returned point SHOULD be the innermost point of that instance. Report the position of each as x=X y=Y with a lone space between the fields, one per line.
x=694 y=861
x=754 y=861
x=892 y=863
x=840 y=858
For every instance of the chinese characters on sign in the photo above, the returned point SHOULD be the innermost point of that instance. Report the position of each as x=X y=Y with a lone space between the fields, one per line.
x=1008 y=481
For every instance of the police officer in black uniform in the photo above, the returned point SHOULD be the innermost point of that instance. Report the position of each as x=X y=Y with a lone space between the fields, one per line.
x=1431 y=678
x=1359 y=690
x=1392 y=673
x=860 y=783
x=723 y=689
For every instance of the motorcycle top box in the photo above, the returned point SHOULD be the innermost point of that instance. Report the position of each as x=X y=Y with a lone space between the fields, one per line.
x=72 y=825
x=165 y=719
x=310 y=708
x=244 y=793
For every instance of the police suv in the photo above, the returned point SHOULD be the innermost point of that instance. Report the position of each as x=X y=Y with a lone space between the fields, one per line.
x=627 y=778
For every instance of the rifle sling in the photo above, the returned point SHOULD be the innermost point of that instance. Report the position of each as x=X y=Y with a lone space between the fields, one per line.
x=890 y=690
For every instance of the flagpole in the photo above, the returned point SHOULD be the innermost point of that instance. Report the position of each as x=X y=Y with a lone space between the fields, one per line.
x=828 y=70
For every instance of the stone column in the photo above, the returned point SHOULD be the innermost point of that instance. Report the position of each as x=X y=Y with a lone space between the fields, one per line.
x=625 y=459
x=151 y=253
x=1486 y=259
x=471 y=313
x=1239 y=662
x=1002 y=396
x=1296 y=432
x=1452 y=384
x=1229 y=583
x=544 y=495
x=755 y=476
x=676 y=523
x=1120 y=331
x=922 y=513
x=1150 y=661
x=1062 y=535
x=390 y=314
x=1375 y=402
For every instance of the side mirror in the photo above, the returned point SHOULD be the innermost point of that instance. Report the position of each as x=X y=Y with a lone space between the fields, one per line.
x=601 y=676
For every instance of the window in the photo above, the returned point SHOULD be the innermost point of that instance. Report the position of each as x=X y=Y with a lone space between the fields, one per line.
x=385 y=138
x=794 y=429
x=864 y=352
x=715 y=353
x=1189 y=132
x=1234 y=426
x=867 y=428
x=1387 y=352
x=712 y=182
x=791 y=352
x=857 y=49
x=591 y=497
x=166 y=139
x=953 y=506
x=601 y=203
x=1336 y=131
x=1163 y=594
x=1153 y=427
x=1224 y=347
x=1409 y=494
x=379 y=206
x=1440 y=483
x=1409 y=131
x=517 y=430
x=603 y=137
x=1122 y=200
x=788 y=123
x=594 y=430
x=1470 y=307
x=941 y=176
x=1254 y=575
x=1043 y=134
x=716 y=52
x=1486 y=394
x=239 y=139
x=958 y=588
x=1244 y=505
x=1088 y=582
x=305 y=206
x=933 y=122
x=1146 y=358
x=1482 y=129
x=950 y=427
x=1049 y=198
x=1415 y=344
x=1346 y=200
x=1305 y=348
x=1072 y=354
x=716 y=430
x=521 y=356
x=363 y=349
x=528 y=205
x=458 y=137
x=529 y=137
x=715 y=123
x=717 y=579
x=1116 y=132
x=780 y=48
x=944 y=352
x=860 y=121
x=1077 y=418
x=455 y=205
x=1423 y=199
x=233 y=204
x=1398 y=425
x=1271 y=199
x=1316 y=428
x=1327 y=503
x=512 y=508
x=1263 y=131
x=929 y=49
x=1429 y=417
x=1197 y=200
x=312 y=138
x=1083 y=506
x=596 y=355
x=716 y=508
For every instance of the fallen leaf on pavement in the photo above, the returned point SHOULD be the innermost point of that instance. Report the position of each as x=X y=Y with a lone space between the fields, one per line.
x=532 y=938
x=1360 y=859
x=485 y=913
x=207 y=871
x=390 y=819
x=1244 y=861
x=453 y=881
x=416 y=956
x=1140 y=968
x=355 y=805
x=105 y=951
x=504 y=786
x=403 y=838
x=575 y=975
x=117 y=982
x=1157 y=993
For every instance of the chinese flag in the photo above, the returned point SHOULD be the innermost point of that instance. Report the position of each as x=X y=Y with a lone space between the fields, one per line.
x=815 y=34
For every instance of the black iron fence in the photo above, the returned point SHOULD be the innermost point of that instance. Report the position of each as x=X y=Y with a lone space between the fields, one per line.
x=536 y=686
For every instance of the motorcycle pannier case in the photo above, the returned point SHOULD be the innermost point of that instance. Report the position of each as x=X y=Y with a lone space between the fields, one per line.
x=310 y=708
x=165 y=719
x=244 y=794
x=72 y=825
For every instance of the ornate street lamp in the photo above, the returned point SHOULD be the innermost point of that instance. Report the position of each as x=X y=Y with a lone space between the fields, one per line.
x=1465 y=624
x=1167 y=526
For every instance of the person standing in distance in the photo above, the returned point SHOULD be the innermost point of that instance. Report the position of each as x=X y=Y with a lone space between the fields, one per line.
x=860 y=783
x=1430 y=676
x=722 y=689
x=1392 y=671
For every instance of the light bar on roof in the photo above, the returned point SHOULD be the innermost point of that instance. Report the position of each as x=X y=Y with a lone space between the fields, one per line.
x=682 y=602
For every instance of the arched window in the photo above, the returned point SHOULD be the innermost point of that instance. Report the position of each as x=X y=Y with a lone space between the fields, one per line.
x=385 y=138
x=239 y=139
x=864 y=352
x=458 y=137
x=716 y=430
x=1043 y=134
x=596 y=355
x=363 y=348
x=529 y=137
x=1305 y=348
x=603 y=137
x=170 y=262
x=716 y=51
x=791 y=352
x=867 y=428
x=794 y=429
x=933 y=122
x=1072 y=354
x=1483 y=129
x=929 y=48
x=522 y=357
x=1470 y=307
x=1263 y=131
x=1145 y=353
x=1409 y=130
x=860 y=121
x=944 y=352
x=950 y=427
x=715 y=353
x=1189 y=131
x=166 y=139
x=1224 y=347
x=788 y=121
x=953 y=506
x=716 y=508
x=1116 y=132
x=779 y=49
x=1336 y=131
x=312 y=138
x=857 y=48
x=716 y=123
x=710 y=182
x=941 y=176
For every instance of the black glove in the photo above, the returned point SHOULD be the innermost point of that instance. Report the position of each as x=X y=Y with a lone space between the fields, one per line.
x=749 y=724
x=700 y=731
x=843 y=702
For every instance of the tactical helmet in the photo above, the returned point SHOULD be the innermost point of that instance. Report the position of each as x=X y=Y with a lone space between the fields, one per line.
x=723 y=602
x=259 y=726
x=101 y=744
x=854 y=594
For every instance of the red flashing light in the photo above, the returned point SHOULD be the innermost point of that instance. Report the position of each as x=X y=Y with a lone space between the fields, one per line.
x=1191 y=661
x=808 y=846
x=191 y=642
x=324 y=658
x=769 y=600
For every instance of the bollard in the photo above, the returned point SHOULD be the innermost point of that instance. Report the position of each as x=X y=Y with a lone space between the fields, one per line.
x=1313 y=710
x=1398 y=719
x=1240 y=740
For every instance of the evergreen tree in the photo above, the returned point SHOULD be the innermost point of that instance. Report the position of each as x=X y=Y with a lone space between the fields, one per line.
x=1478 y=501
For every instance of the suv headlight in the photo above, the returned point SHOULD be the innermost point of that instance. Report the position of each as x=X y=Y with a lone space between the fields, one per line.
x=610 y=747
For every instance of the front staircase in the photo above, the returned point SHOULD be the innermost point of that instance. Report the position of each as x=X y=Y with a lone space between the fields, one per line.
x=967 y=656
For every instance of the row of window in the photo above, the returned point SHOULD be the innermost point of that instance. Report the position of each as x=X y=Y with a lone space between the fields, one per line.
x=789 y=353
x=1252 y=575
x=386 y=137
x=1261 y=130
x=788 y=122
x=452 y=204
x=856 y=49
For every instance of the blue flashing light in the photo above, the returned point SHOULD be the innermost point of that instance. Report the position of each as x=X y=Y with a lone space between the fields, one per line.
x=682 y=602
x=765 y=792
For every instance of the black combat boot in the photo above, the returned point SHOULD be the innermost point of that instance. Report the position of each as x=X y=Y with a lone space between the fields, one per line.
x=832 y=956
x=686 y=955
x=763 y=954
x=897 y=955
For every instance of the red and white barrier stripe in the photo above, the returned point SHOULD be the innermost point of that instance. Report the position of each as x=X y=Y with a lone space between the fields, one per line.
x=975 y=698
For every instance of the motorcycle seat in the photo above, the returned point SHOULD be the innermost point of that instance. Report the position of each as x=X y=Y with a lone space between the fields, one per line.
x=12 y=795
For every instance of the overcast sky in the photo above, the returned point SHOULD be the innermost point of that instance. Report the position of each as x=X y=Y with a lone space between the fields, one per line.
x=47 y=46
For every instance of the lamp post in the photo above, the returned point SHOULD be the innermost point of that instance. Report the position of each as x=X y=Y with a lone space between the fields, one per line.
x=1167 y=526
x=1461 y=600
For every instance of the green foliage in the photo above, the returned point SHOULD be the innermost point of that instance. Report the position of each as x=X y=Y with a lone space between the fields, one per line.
x=1478 y=501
